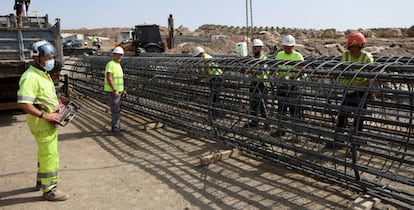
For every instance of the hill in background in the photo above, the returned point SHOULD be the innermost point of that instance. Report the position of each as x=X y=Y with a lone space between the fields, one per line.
x=381 y=41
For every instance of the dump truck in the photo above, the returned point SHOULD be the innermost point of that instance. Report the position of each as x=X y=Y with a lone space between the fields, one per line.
x=17 y=34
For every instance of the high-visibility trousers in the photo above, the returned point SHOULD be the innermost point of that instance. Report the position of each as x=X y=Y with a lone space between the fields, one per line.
x=48 y=158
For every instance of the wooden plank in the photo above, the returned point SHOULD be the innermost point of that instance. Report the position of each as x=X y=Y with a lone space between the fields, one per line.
x=365 y=202
x=153 y=125
x=222 y=155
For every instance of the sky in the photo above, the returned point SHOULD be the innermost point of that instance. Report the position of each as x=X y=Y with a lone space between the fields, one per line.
x=304 y=14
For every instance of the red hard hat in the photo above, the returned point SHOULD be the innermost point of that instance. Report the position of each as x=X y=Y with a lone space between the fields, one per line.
x=356 y=38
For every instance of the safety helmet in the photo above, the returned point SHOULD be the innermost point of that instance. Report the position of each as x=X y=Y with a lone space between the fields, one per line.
x=197 y=51
x=356 y=38
x=289 y=40
x=85 y=43
x=42 y=48
x=257 y=43
x=118 y=50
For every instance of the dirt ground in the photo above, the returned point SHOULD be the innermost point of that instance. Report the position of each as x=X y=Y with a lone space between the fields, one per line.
x=149 y=169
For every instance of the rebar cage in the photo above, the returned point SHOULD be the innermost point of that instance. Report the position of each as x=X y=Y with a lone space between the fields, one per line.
x=295 y=119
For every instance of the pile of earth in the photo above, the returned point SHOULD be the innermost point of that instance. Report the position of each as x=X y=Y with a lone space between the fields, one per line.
x=381 y=42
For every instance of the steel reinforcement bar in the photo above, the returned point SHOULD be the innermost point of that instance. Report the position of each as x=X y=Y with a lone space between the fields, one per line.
x=381 y=59
x=309 y=116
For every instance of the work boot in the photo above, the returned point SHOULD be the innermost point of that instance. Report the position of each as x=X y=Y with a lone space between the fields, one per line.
x=349 y=154
x=334 y=145
x=55 y=195
x=116 y=132
x=38 y=186
x=277 y=133
x=251 y=125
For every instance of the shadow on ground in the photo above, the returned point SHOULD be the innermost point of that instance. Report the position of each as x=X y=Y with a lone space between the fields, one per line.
x=172 y=157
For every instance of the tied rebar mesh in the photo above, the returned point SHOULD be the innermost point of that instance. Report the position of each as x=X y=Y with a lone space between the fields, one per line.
x=372 y=152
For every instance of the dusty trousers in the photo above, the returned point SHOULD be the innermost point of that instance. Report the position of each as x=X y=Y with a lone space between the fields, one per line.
x=258 y=104
x=115 y=105
x=352 y=100
x=214 y=99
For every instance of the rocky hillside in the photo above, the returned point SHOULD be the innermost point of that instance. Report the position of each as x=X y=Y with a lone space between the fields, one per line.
x=381 y=41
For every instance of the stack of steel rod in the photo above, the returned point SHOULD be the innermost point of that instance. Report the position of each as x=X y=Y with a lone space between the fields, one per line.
x=372 y=152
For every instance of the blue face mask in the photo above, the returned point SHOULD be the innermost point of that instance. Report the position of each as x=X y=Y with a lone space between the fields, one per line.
x=49 y=65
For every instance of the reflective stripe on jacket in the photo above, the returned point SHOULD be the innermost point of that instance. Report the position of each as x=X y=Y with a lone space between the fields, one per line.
x=365 y=57
x=37 y=87
x=212 y=68
x=294 y=56
x=261 y=74
x=117 y=76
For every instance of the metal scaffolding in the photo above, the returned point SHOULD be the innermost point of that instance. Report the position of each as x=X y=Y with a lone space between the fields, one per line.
x=371 y=146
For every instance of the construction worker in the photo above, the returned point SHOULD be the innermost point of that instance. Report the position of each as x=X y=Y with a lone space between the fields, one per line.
x=287 y=91
x=114 y=86
x=98 y=43
x=214 y=80
x=94 y=41
x=355 y=53
x=258 y=88
x=18 y=6
x=37 y=97
x=85 y=45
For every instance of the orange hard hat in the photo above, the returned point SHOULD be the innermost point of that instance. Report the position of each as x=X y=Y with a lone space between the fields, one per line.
x=356 y=38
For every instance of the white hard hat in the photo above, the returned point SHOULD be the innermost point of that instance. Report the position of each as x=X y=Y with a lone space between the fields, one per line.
x=289 y=40
x=42 y=48
x=257 y=43
x=118 y=50
x=197 y=51
x=85 y=43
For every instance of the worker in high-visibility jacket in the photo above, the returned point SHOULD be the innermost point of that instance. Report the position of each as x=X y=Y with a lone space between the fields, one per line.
x=214 y=79
x=114 y=87
x=258 y=89
x=355 y=53
x=94 y=41
x=37 y=97
x=286 y=92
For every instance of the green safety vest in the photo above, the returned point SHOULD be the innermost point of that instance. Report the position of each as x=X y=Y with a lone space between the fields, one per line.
x=117 y=76
x=37 y=87
x=264 y=74
x=294 y=56
x=365 y=57
x=213 y=67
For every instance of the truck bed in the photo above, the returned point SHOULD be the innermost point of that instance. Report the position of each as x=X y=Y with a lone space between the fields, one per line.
x=17 y=34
